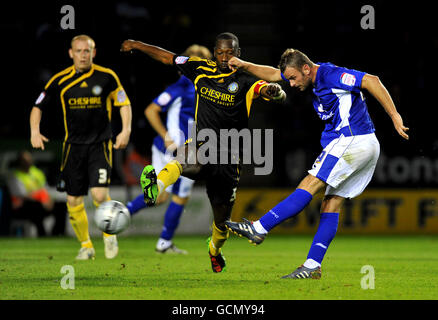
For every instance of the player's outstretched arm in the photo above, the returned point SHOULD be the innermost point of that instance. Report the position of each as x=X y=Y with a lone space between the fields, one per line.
x=36 y=138
x=377 y=89
x=154 y=52
x=267 y=73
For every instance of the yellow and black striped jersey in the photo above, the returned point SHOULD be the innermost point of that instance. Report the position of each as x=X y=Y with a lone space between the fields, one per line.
x=223 y=100
x=86 y=100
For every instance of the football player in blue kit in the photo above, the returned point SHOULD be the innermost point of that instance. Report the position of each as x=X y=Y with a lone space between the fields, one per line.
x=178 y=102
x=350 y=147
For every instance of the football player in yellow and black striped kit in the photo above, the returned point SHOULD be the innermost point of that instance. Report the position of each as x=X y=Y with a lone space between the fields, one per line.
x=223 y=101
x=86 y=93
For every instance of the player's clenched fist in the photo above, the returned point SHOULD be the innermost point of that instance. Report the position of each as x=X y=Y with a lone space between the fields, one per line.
x=235 y=63
x=128 y=45
x=275 y=91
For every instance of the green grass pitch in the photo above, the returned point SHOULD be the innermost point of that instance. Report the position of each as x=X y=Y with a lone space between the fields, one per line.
x=405 y=267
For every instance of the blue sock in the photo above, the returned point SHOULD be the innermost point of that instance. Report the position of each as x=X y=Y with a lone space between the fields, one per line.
x=136 y=205
x=286 y=209
x=171 y=220
x=328 y=225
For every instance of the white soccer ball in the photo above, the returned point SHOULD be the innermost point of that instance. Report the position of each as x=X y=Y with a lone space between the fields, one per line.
x=112 y=217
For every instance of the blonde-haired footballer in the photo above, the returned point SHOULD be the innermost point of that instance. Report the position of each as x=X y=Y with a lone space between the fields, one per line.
x=86 y=93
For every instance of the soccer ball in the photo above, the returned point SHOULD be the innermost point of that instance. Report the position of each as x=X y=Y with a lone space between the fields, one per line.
x=112 y=217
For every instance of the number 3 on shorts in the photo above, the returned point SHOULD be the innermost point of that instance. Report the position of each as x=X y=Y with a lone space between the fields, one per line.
x=103 y=176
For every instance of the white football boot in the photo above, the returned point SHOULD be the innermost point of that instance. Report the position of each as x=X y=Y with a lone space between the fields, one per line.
x=86 y=254
x=167 y=246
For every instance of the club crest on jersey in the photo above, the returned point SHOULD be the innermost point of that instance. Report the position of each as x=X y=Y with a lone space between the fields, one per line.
x=97 y=90
x=233 y=87
x=181 y=60
x=348 y=79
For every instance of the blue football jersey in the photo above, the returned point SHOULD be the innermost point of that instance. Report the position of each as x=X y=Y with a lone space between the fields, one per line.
x=340 y=103
x=178 y=100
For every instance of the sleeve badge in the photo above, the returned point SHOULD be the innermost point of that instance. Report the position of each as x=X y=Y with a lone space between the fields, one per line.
x=40 y=98
x=348 y=79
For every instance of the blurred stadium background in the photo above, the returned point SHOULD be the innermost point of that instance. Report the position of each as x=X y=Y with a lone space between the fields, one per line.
x=401 y=50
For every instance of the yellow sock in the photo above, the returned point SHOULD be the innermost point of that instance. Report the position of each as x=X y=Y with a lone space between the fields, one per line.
x=218 y=239
x=97 y=204
x=168 y=176
x=79 y=222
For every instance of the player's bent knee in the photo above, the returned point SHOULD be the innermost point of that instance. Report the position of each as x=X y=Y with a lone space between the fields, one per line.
x=311 y=184
x=332 y=203
x=100 y=199
x=179 y=200
x=191 y=170
x=74 y=201
x=162 y=198
x=99 y=195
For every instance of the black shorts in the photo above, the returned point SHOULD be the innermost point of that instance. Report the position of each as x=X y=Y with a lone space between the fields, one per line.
x=86 y=166
x=221 y=182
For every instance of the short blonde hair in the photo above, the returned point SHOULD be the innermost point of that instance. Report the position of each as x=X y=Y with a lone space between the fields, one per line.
x=198 y=51
x=83 y=37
